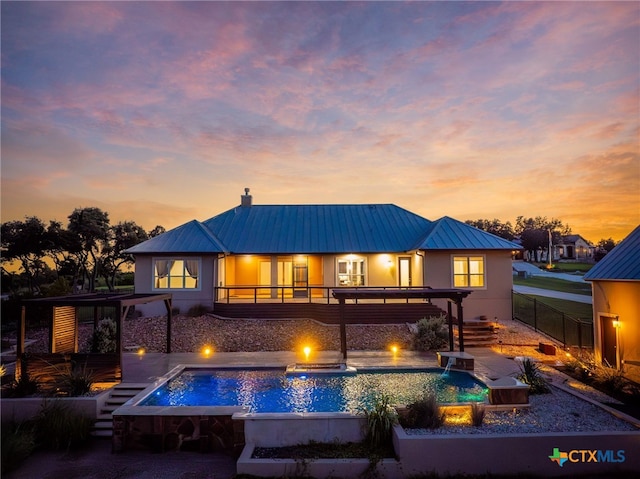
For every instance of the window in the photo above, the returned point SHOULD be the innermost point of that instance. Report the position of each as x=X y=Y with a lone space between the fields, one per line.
x=468 y=272
x=351 y=272
x=176 y=273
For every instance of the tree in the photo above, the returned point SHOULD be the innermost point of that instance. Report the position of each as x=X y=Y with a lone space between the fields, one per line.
x=92 y=229
x=534 y=234
x=158 y=230
x=606 y=244
x=25 y=241
x=495 y=227
x=124 y=235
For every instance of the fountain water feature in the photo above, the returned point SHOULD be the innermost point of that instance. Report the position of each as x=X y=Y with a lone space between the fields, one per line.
x=447 y=368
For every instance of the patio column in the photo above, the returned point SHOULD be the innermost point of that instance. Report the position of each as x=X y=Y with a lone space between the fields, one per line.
x=343 y=330
x=167 y=303
x=460 y=325
x=450 y=320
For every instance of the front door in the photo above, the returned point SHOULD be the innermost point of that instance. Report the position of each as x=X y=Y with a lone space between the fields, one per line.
x=300 y=278
x=404 y=272
x=609 y=341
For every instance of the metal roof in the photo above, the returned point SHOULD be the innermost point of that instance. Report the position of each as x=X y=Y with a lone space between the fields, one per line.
x=621 y=263
x=297 y=229
x=319 y=229
x=191 y=237
x=447 y=233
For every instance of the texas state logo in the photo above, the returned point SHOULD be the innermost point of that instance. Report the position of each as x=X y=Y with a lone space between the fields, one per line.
x=586 y=455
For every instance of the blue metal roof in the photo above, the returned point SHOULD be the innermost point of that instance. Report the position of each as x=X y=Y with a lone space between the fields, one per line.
x=621 y=263
x=318 y=229
x=447 y=233
x=297 y=229
x=191 y=237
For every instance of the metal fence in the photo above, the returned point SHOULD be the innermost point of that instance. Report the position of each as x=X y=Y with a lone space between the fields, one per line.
x=568 y=330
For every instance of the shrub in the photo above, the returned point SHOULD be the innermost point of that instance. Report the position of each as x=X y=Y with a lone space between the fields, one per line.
x=432 y=333
x=425 y=413
x=103 y=339
x=609 y=378
x=530 y=374
x=77 y=381
x=380 y=421
x=18 y=442
x=60 y=427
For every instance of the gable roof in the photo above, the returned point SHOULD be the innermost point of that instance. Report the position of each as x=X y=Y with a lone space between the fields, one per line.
x=448 y=233
x=621 y=263
x=191 y=237
x=367 y=228
x=319 y=229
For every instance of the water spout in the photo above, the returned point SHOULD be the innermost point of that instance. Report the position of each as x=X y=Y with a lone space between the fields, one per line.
x=450 y=362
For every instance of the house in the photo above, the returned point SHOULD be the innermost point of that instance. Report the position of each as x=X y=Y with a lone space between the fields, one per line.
x=615 y=284
x=285 y=261
x=574 y=248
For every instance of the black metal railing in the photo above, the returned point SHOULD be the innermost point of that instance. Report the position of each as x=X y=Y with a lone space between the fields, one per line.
x=568 y=330
x=286 y=294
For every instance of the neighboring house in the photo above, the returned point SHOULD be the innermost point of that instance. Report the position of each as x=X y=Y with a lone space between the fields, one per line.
x=615 y=283
x=263 y=260
x=574 y=247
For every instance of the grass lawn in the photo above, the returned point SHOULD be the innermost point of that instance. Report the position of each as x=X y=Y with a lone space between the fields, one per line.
x=554 y=284
x=567 y=267
x=583 y=311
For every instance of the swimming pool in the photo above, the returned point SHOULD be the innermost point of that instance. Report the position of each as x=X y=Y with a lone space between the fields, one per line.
x=273 y=391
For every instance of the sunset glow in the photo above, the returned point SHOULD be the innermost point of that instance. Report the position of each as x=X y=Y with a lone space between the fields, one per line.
x=163 y=112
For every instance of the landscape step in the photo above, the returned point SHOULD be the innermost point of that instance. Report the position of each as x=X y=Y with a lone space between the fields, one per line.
x=119 y=394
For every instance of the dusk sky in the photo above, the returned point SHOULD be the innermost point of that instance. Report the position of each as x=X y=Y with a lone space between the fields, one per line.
x=163 y=112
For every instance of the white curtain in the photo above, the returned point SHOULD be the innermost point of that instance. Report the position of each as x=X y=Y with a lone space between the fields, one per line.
x=192 y=269
x=162 y=270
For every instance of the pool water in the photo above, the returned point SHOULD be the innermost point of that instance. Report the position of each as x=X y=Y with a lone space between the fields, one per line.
x=271 y=390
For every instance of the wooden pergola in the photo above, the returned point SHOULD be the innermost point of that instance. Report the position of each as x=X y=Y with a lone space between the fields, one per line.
x=453 y=295
x=63 y=324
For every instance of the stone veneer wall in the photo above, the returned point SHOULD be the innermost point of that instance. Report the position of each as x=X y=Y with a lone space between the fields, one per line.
x=174 y=433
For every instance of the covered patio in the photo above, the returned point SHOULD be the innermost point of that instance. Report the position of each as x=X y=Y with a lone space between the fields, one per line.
x=452 y=295
x=63 y=325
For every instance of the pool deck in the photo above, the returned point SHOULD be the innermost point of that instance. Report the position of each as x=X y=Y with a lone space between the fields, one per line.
x=149 y=367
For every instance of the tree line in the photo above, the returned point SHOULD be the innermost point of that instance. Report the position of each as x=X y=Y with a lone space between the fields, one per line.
x=533 y=234
x=88 y=248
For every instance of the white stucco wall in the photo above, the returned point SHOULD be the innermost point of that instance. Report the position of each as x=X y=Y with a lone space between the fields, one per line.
x=619 y=298
x=493 y=301
x=182 y=299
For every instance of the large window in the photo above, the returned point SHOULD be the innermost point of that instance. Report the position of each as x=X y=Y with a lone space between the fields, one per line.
x=468 y=272
x=351 y=272
x=176 y=273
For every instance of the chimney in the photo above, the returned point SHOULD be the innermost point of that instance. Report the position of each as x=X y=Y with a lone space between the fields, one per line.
x=245 y=200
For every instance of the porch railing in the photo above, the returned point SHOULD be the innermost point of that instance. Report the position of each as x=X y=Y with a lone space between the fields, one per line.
x=291 y=294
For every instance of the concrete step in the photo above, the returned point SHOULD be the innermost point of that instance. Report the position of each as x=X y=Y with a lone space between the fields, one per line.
x=120 y=394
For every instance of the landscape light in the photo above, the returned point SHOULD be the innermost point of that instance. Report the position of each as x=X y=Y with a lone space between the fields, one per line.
x=307 y=351
x=206 y=351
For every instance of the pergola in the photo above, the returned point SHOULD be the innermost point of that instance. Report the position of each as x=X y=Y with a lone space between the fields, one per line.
x=63 y=322
x=453 y=295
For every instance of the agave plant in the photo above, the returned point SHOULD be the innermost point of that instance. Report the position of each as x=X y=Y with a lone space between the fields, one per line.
x=531 y=375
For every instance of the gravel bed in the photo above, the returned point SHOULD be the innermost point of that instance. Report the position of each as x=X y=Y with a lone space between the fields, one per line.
x=190 y=334
x=555 y=412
